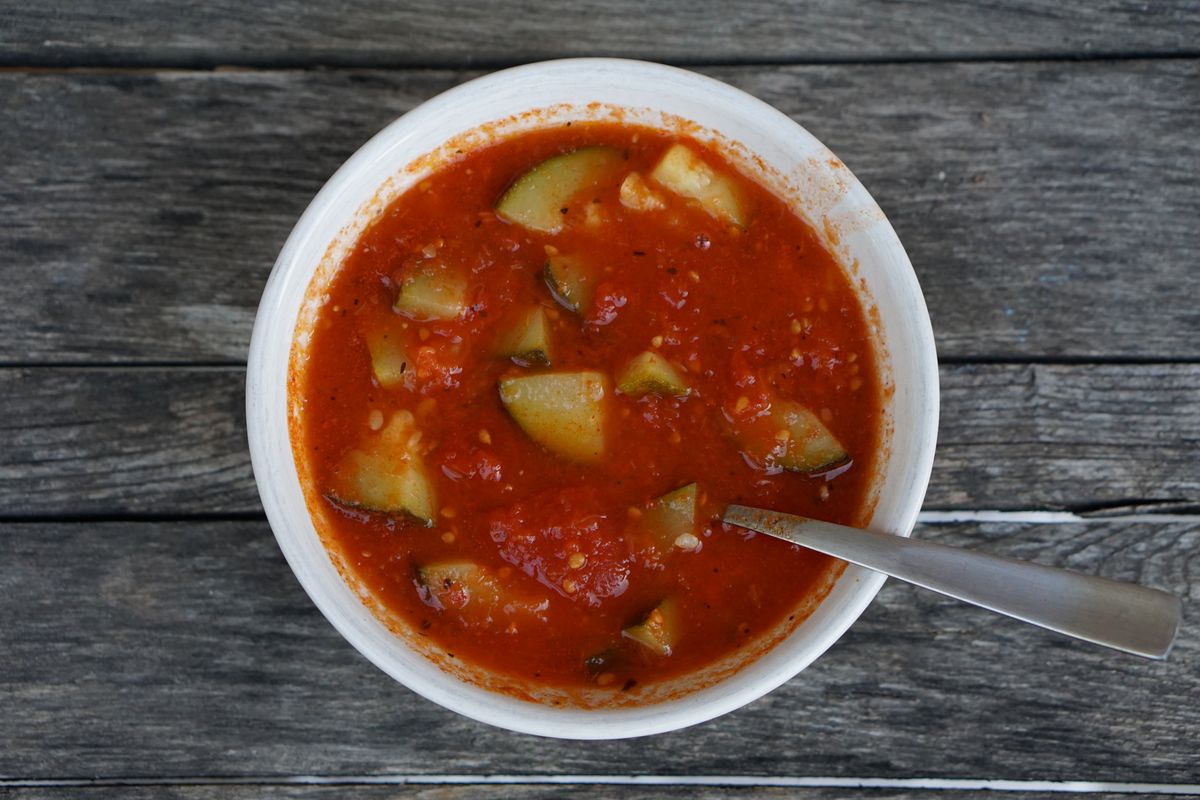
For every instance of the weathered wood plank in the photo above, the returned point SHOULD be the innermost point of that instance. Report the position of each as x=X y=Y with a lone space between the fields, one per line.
x=172 y=441
x=426 y=33
x=1050 y=208
x=152 y=650
x=1067 y=436
x=165 y=441
x=510 y=791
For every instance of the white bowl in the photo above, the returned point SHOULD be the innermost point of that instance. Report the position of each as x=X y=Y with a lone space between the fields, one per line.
x=761 y=140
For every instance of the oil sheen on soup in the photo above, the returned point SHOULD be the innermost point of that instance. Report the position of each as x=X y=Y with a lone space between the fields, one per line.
x=540 y=376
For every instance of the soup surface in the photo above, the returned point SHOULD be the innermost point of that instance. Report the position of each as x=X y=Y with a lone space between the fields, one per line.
x=539 y=377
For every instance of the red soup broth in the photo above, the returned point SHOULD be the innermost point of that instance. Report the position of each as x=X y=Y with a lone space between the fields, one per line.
x=563 y=585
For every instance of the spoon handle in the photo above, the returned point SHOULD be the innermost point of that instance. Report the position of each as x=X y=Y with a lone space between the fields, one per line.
x=1123 y=616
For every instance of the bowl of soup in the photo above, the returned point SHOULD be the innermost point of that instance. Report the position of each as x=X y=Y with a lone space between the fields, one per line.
x=525 y=346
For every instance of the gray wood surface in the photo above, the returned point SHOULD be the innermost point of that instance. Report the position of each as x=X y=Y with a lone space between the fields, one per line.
x=124 y=441
x=171 y=440
x=1051 y=209
x=533 y=792
x=177 y=650
x=153 y=32
x=1038 y=159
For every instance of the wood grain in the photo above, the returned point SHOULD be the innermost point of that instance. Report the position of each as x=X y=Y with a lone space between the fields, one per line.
x=425 y=33
x=1038 y=159
x=119 y=441
x=171 y=441
x=140 y=651
x=509 y=791
x=1051 y=209
x=1077 y=437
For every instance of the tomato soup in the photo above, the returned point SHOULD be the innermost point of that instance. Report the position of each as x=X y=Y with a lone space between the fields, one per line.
x=539 y=377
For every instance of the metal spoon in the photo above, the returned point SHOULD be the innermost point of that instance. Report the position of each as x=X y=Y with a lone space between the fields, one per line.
x=1123 y=616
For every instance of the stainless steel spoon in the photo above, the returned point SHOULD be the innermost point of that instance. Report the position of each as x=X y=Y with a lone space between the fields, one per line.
x=1123 y=616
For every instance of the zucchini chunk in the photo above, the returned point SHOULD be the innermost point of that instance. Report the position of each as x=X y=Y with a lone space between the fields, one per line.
x=389 y=360
x=388 y=475
x=659 y=631
x=375 y=482
x=571 y=281
x=562 y=411
x=432 y=291
x=537 y=199
x=460 y=584
x=683 y=172
x=528 y=342
x=793 y=438
x=650 y=373
x=671 y=521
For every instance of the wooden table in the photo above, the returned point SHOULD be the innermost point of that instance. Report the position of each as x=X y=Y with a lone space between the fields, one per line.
x=1041 y=164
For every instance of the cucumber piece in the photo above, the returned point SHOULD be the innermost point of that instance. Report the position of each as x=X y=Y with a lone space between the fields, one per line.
x=683 y=172
x=476 y=593
x=528 y=342
x=389 y=360
x=650 y=373
x=571 y=281
x=387 y=476
x=376 y=482
x=672 y=518
x=537 y=199
x=793 y=438
x=432 y=291
x=811 y=447
x=459 y=585
x=659 y=631
x=562 y=411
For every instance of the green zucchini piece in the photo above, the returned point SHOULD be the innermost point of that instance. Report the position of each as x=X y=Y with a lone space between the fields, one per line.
x=672 y=519
x=793 y=438
x=811 y=447
x=387 y=476
x=460 y=584
x=650 y=373
x=659 y=631
x=683 y=172
x=432 y=291
x=375 y=482
x=528 y=342
x=571 y=281
x=389 y=360
x=537 y=199
x=562 y=411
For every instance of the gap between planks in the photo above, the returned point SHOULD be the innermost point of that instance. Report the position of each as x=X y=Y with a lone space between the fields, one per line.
x=373 y=61
x=1046 y=517
x=743 y=781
